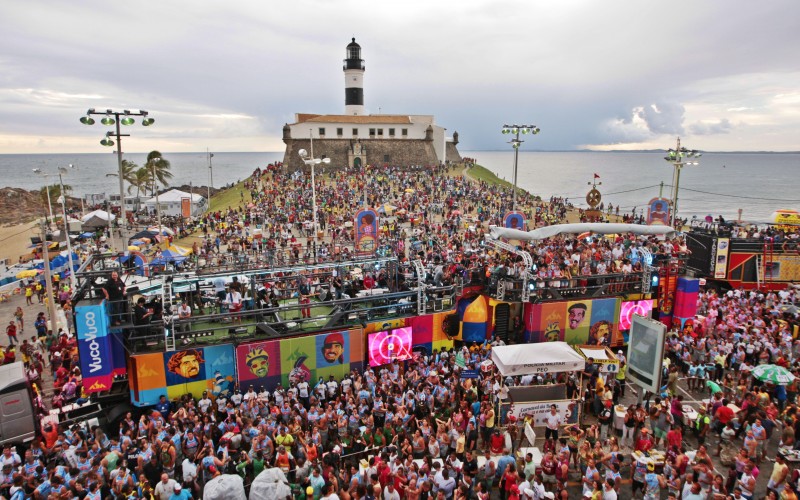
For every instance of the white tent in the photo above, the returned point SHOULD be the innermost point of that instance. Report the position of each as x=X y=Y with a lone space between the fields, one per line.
x=539 y=358
x=100 y=214
x=170 y=202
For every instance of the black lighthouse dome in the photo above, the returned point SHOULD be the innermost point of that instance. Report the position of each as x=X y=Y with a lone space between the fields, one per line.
x=353 y=52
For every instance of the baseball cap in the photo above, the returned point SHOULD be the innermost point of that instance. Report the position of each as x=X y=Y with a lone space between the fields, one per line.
x=177 y=487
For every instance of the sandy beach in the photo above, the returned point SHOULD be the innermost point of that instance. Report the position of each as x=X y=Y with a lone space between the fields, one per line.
x=15 y=240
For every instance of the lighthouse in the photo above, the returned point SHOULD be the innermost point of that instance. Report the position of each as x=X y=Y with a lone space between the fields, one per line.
x=353 y=80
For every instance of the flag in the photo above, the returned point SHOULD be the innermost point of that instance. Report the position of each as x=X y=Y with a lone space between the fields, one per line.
x=460 y=360
x=596 y=176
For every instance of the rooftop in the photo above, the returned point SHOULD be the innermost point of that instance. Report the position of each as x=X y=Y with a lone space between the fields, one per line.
x=366 y=119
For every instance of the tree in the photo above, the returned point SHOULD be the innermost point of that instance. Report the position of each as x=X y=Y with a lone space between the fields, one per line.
x=129 y=169
x=161 y=166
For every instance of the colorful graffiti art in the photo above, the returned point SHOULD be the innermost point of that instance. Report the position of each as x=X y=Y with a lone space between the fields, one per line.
x=581 y=322
x=190 y=371
x=276 y=362
x=428 y=335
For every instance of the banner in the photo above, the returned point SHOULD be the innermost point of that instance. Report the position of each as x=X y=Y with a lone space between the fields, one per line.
x=91 y=322
x=298 y=359
x=366 y=223
x=186 y=207
x=190 y=371
x=514 y=220
x=579 y=322
x=721 y=261
x=539 y=410
x=658 y=212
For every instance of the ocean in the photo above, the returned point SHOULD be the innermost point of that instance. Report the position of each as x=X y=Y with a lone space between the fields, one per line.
x=723 y=183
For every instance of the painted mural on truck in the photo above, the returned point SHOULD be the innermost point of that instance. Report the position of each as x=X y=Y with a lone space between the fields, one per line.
x=577 y=322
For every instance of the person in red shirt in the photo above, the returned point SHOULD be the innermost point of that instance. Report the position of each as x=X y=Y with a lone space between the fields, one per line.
x=722 y=416
x=644 y=443
x=497 y=442
x=675 y=437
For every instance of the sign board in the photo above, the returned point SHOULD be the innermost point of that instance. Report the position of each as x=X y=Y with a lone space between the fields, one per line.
x=186 y=207
x=470 y=374
x=646 y=352
x=603 y=357
x=539 y=410
x=530 y=434
x=721 y=260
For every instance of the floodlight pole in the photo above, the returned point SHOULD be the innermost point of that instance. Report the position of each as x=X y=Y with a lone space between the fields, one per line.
x=516 y=142
x=72 y=284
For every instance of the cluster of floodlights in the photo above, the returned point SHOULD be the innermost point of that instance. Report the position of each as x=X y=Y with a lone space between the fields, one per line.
x=520 y=129
x=110 y=117
x=677 y=155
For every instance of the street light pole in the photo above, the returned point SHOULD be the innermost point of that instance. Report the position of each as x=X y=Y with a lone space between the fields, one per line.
x=310 y=161
x=51 y=300
x=677 y=158
x=210 y=178
x=153 y=162
x=72 y=284
x=111 y=117
x=515 y=143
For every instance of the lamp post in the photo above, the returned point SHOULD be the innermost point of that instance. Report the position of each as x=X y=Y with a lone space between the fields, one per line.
x=153 y=162
x=111 y=117
x=312 y=162
x=63 y=170
x=210 y=178
x=678 y=158
x=516 y=130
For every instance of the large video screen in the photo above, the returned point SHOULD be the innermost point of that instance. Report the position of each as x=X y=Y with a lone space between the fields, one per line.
x=645 y=352
x=628 y=309
x=388 y=346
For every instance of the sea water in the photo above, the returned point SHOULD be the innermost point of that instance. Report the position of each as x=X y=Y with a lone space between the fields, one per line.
x=723 y=183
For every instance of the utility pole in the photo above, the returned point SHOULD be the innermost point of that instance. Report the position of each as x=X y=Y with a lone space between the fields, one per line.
x=51 y=300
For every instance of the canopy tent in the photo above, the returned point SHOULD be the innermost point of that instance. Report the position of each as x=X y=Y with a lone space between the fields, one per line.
x=143 y=234
x=179 y=250
x=100 y=214
x=592 y=227
x=539 y=358
x=60 y=263
x=167 y=256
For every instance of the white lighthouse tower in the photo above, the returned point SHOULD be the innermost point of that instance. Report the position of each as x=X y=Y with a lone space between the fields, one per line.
x=353 y=80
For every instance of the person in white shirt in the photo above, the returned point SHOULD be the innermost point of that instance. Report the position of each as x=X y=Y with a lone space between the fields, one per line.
x=553 y=422
x=184 y=313
x=164 y=488
x=389 y=493
x=205 y=403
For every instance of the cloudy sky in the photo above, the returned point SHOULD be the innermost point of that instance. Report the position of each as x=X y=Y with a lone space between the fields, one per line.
x=227 y=75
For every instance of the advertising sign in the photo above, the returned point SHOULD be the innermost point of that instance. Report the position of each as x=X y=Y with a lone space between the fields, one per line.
x=645 y=352
x=514 y=220
x=539 y=410
x=91 y=322
x=581 y=322
x=658 y=212
x=386 y=347
x=721 y=261
x=366 y=225
x=629 y=308
x=190 y=371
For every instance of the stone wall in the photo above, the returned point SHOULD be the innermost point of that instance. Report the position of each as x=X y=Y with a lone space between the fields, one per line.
x=400 y=151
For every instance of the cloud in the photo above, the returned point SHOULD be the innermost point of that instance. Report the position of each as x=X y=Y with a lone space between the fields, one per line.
x=663 y=117
x=723 y=126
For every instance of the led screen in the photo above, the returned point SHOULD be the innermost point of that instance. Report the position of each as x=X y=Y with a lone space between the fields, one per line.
x=388 y=346
x=628 y=309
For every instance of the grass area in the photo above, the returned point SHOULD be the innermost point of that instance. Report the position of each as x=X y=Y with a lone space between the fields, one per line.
x=231 y=197
x=480 y=173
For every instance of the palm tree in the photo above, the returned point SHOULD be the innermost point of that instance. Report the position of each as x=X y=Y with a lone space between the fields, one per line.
x=129 y=173
x=139 y=180
x=156 y=163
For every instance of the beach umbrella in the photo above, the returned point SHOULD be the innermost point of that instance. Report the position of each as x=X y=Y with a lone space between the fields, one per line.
x=773 y=374
x=133 y=248
x=27 y=273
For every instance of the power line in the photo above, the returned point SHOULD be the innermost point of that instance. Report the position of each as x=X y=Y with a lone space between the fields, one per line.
x=734 y=195
x=632 y=190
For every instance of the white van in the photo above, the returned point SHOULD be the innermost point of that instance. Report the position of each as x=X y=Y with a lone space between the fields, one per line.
x=18 y=422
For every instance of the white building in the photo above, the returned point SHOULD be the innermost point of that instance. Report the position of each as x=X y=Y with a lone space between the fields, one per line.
x=172 y=202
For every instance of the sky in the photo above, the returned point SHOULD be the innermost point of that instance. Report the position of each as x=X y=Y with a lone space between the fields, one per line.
x=226 y=76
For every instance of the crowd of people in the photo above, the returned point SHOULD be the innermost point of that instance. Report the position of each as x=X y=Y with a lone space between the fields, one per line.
x=417 y=430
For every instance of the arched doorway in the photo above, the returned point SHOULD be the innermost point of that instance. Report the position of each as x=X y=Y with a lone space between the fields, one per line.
x=356 y=162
